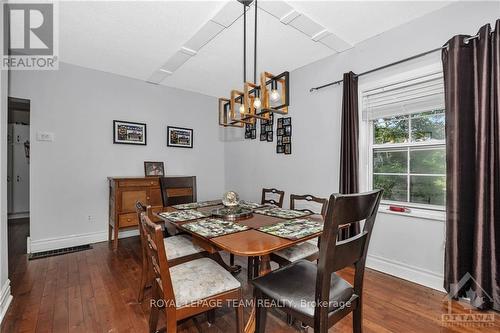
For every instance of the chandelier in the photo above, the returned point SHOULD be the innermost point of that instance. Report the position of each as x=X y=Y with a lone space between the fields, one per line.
x=258 y=99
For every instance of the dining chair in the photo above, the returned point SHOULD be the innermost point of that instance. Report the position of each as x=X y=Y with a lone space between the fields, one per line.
x=309 y=249
x=187 y=289
x=277 y=200
x=315 y=294
x=179 y=248
x=277 y=194
x=178 y=190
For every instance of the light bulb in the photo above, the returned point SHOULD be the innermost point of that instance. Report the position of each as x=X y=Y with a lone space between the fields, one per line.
x=257 y=103
x=275 y=95
x=242 y=109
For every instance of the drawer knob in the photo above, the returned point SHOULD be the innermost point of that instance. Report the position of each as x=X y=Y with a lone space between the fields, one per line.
x=152 y=183
x=128 y=220
x=147 y=198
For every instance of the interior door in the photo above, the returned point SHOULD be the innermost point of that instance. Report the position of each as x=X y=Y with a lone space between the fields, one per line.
x=20 y=169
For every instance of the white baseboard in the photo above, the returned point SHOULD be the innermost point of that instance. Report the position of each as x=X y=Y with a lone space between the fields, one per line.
x=5 y=299
x=407 y=272
x=62 y=242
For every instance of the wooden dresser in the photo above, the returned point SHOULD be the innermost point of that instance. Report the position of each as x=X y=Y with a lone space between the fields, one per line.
x=123 y=194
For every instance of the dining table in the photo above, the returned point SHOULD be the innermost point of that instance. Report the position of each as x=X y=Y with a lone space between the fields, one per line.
x=247 y=243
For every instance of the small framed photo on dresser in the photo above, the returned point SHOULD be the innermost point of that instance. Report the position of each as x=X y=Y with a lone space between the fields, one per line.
x=154 y=169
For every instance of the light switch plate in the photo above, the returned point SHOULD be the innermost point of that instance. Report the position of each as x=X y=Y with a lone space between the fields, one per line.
x=45 y=136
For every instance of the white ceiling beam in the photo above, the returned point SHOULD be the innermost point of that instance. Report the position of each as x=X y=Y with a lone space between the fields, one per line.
x=208 y=31
x=289 y=17
x=158 y=76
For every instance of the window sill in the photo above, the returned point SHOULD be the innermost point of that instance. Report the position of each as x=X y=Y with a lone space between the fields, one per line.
x=416 y=213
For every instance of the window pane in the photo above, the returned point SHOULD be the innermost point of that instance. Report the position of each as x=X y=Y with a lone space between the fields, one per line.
x=395 y=187
x=428 y=189
x=390 y=161
x=391 y=130
x=428 y=161
x=427 y=126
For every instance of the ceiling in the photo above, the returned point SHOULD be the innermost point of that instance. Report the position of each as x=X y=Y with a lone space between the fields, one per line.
x=197 y=45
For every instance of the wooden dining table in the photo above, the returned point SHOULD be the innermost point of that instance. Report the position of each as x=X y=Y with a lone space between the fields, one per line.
x=247 y=243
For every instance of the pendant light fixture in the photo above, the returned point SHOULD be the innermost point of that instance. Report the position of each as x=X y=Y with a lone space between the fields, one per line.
x=255 y=101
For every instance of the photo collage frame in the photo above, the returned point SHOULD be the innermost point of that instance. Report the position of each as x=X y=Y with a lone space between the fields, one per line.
x=284 y=136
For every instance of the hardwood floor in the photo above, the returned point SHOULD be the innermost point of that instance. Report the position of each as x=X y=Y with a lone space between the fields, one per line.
x=96 y=290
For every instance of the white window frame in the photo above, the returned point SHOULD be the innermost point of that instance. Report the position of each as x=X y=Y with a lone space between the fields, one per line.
x=430 y=212
x=402 y=146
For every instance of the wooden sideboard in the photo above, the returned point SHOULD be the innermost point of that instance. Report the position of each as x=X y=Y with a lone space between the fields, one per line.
x=124 y=192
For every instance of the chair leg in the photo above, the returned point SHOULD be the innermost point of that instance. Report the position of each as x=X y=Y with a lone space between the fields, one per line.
x=260 y=314
x=231 y=259
x=357 y=326
x=239 y=316
x=289 y=319
x=256 y=267
x=142 y=286
x=155 y=311
x=211 y=317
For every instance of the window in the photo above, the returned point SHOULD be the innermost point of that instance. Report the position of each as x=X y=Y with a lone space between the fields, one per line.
x=407 y=142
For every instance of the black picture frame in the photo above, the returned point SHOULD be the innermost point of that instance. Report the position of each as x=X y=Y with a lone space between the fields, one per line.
x=184 y=131
x=121 y=128
x=270 y=136
x=287 y=139
x=288 y=148
x=280 y=122
x=280 y=149
x=263 y=136
x=288 y=130
x=150 y=166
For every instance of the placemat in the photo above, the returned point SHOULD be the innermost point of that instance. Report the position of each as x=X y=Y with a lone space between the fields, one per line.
x=210 y=228
x=281 y=213
x=184 y=215
x=293 y=229
x=250 y=205
x=194 y=205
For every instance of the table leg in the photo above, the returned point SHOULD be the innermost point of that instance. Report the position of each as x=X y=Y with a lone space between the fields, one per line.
x=264 y=268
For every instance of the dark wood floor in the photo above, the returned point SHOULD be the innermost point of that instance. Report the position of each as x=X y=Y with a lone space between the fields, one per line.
x=95 y=291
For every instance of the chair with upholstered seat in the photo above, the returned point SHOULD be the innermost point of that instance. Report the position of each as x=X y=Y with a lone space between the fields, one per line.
x=179 y=249
x=309 y=249
x=189 y=288
x=315 y=294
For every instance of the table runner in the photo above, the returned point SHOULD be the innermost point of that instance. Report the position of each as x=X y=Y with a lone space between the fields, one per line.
x=184 y=215
x=281 y=213
x=293 y=229
x=194 y=205
x=211 y=227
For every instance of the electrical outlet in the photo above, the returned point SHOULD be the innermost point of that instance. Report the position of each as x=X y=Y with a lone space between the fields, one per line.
x=45 y=136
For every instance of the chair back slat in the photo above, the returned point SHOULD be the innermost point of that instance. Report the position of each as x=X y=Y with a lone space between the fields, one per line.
x=333 y=255
x=158 y=257
x=178 y=190
x=308 y=198
x=349 y=251
x=278 y=194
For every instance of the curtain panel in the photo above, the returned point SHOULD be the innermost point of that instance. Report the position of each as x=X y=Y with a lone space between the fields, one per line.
x=349 y=149
x=472 y=89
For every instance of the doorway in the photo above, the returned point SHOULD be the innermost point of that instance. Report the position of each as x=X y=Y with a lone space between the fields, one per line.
x=18 y=179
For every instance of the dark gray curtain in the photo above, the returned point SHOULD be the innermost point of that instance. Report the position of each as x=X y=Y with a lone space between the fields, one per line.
x=349 y=149
x=472 y=89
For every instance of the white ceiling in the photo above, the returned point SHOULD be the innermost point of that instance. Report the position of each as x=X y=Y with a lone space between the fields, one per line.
x=197 y=45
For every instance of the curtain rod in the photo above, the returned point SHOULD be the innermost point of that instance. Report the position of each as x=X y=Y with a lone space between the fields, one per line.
x=466 y=41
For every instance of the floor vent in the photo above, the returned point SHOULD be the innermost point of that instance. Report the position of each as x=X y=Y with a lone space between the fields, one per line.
x=52 y=253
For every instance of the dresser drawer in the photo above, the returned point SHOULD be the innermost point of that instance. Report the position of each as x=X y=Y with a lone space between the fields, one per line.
x=139 y=182
x=128 y=220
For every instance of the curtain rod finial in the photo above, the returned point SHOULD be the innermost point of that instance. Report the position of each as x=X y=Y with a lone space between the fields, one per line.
x=312 y=89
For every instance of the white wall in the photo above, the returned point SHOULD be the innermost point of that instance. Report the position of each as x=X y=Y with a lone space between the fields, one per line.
x=408 y=247
x=68 y=176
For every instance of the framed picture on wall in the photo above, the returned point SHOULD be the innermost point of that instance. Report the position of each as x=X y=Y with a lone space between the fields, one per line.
x=129 y=133
x=154 y=169
x=179 y=137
